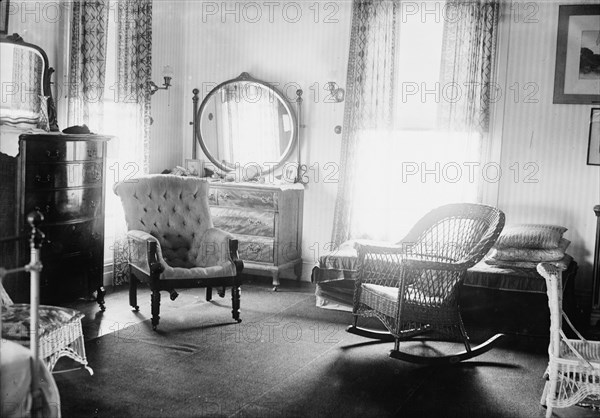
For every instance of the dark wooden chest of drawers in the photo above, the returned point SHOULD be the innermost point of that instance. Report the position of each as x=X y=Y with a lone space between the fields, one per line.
x=62 y=176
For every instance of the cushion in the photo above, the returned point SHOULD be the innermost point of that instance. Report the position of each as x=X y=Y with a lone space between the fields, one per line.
x=16 y=319
x=531 y=254
x=344 y=258
x=530 y=236
x=563 y=263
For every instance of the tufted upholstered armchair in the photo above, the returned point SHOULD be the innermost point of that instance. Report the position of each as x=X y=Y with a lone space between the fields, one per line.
x=172 y=241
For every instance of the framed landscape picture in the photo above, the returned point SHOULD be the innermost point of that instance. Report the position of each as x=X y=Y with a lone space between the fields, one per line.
x=577 y=70
x=3 y=16
x=593 y=157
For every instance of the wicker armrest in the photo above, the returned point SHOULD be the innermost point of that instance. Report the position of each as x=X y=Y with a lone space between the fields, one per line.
x=428 y=264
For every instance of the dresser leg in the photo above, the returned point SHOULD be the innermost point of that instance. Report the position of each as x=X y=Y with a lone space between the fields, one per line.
x=100 y=298
x=275 y=281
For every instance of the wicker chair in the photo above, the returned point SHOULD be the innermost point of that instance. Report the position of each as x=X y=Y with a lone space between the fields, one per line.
x=60 y=330
x=172 y=241
x=412 y=286
x=573 y=373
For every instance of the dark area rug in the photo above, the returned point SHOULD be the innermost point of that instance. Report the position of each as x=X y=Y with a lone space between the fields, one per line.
x=287 y=358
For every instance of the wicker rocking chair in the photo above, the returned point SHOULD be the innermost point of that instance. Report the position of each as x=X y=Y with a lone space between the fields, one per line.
x=573 y=373
x=412 y=286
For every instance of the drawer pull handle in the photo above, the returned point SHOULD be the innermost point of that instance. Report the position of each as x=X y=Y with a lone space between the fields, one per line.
x=54 y=155
x=225 y=196
x=40 y=179
x=94 y=175
x=266 y=199
x=92 y=153
x=92 y=204
x=46 y=209
x=255 y=248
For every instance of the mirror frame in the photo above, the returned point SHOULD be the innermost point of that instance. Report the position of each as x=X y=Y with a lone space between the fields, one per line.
x=16 y=39
x=245 y=77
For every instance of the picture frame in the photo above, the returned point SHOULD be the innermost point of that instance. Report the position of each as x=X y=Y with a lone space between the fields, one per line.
x=3 y=17
x=195 y=167
x=593 y=155
x=577 y=72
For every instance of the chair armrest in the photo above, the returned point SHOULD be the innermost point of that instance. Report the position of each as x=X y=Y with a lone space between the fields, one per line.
x=379 y=264
x=430 y=264
x=217 y=247
x=145 y=253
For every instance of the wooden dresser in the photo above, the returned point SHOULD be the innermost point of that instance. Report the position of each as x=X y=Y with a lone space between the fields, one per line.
x=63 y=177
x=267 y=221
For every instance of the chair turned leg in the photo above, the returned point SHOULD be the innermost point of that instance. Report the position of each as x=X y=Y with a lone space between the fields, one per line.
x=221 y=291
x=155 y=301
x=235 y=303
x=133 y=293
x=208 y=294
x=101 y=292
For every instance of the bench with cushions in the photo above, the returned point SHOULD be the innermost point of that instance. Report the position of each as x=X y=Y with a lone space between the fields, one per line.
x=509 y=299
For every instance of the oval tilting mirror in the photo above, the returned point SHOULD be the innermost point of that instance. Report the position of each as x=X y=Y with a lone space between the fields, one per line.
x=26 y=97
x=246 y=122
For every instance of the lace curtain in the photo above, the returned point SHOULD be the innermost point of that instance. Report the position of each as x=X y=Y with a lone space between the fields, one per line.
x=134 y=69
x=370 y=95
x=468 y=62
x=87 y=68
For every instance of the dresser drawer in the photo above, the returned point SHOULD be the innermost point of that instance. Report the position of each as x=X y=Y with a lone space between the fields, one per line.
x=48 y=150
x=247 y=222
x=255 y=249
x=244 y=198
x=77 y=238
x=45 y=176
x=65 y=204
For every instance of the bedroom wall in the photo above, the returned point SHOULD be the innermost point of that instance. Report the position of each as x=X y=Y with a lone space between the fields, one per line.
x=552 y=137
x=292 y=44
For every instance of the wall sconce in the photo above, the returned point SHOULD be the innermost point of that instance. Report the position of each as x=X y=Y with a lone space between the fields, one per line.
x=167 y=75
x=337 y=93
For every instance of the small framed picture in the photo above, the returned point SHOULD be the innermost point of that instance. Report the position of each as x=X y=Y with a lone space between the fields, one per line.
x=3 y=16
x=593 y=157
x=195 y=167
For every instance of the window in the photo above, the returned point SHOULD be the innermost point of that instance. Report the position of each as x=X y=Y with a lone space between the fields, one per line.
x=417 y=166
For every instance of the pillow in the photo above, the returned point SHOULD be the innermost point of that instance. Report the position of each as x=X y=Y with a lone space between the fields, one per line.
x=530 y=236
x=531 y=254
x=562 y=264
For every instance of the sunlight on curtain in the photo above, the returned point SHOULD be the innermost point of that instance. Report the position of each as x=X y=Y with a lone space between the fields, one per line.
x=124 y=117
x=418 y=171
